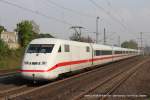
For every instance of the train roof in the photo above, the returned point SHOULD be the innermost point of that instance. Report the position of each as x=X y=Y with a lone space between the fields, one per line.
x=55 y=41
x=102 y=47
x=95 y=46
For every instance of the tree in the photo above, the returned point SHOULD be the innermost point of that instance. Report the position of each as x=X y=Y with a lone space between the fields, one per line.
x=3 y=47
x=130 y=44
x=88 y=39
x=25 y=32
x=2 y=28
x=74 y=37
x=36 y=28
x=44 y=35
x=147 y=50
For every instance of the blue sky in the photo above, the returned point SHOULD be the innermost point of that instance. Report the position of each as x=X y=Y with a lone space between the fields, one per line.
x=124 y=18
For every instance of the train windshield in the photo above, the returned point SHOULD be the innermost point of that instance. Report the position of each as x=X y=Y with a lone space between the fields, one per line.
x=40 y=48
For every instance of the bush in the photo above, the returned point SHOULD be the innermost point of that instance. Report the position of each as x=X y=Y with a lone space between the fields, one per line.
x=10 y=59
x=4 y=50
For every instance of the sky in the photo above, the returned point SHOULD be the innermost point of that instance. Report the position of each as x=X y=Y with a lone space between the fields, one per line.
x=124 y=18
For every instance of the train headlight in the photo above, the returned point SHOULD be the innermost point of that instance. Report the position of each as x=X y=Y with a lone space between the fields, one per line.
x=44 y=63
x=35 y=63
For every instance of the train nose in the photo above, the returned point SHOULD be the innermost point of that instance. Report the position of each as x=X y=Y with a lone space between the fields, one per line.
x=34 y=81
x=39 y=75
x=32 y=76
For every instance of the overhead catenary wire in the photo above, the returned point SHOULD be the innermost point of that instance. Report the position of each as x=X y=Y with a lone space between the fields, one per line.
x=109 y=14
x=122 y=23
x=69 y=9
x=119 y=16
x=110 y=6
x=35 y=12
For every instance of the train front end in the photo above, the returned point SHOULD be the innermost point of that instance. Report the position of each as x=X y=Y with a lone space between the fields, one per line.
x=38 y=60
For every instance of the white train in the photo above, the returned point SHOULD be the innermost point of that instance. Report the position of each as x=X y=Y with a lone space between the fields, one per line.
x=47 y=58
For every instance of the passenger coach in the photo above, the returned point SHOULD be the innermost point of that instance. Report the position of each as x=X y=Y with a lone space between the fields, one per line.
x=47 y=58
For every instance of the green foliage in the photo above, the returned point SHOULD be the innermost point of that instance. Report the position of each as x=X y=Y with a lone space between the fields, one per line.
x=130 y=44
x=44 y=35
x=25 y=32
x=36 y=28
x=2 y=28
x=11 y=59
x=3 y=48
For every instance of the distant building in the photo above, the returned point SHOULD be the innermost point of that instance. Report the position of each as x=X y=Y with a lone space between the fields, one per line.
x=11 y=39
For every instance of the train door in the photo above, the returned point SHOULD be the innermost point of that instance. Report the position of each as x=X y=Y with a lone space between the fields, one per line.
x=67 y=51
x=63 y=58
x=75 y=57
x=92 y=54
x=113 y=55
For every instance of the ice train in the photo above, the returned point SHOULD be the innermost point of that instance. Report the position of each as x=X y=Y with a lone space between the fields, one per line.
x=47 y=58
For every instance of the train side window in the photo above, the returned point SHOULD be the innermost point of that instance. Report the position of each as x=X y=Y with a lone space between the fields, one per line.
x=67 y=48
x=97 y=52
x=87 y=49
x=59 y=50
x=106 y=52
x=118 y=52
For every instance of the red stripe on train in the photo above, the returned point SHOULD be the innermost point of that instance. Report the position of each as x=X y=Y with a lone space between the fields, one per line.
x=69 y=63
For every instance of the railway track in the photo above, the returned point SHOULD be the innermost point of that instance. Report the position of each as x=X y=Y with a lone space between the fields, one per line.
x=17 y=89
x=21 y=91
x=9 y=84
x=8 y=80
x=24 y=89
x=8 y=74
x=12 y=85
x=64 y=86
x=104 y=89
